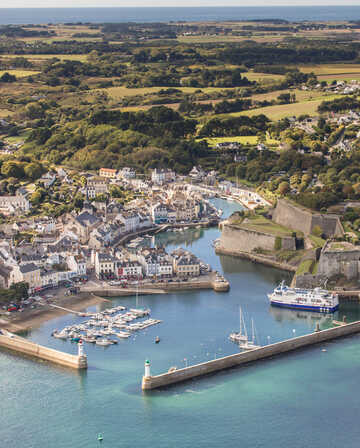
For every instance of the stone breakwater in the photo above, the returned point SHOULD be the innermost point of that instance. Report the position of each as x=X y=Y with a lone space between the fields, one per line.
x=20 y=345
x=176 y=376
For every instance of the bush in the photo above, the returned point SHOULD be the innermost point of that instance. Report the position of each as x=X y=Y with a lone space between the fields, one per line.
x=278 y=243
x=317 y=231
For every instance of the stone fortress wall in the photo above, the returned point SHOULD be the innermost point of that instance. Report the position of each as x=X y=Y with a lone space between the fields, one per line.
x=297 y=218
x=235 y=239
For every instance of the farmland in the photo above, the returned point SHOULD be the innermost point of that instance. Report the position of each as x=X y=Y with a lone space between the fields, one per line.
x=19 y=73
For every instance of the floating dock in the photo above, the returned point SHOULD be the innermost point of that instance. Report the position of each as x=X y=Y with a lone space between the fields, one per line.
x=174 y=375
x=18 y=344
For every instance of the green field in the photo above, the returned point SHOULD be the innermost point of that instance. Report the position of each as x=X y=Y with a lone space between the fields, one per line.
x=331 y=69
x=121 y=92
x=261 y=224
x=245 y=140
x=264 y=78
x=19 y=73
x=5 y=112
x=39 y=57
x=280 y=111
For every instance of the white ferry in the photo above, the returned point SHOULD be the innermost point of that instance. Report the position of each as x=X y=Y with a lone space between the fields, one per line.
x=319 y=300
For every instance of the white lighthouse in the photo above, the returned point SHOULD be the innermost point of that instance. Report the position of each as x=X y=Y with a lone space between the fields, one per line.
x=80 y=348
x=147 y=369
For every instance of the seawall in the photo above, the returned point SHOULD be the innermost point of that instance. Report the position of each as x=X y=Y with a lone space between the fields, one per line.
x=21 y=345
x=257 y=258
x=187 y=373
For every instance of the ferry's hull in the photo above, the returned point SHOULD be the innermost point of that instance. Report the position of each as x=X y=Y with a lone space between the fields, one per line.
x=317 y=309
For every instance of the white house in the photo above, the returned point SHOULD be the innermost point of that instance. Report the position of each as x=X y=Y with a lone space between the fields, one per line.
x=10 y=205
x=129 y=269
x=130 y=220
x=77 y=264
x=159 y=213
x=127 y=173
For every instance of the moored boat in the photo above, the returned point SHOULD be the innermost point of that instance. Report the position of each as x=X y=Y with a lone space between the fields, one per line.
x=319 y=300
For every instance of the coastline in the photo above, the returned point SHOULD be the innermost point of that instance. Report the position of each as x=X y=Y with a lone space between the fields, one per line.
x=256 y=259
x=33 y=318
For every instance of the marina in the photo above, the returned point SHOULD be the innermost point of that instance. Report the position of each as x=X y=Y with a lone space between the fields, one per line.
x=102 y=325
x=195 y=329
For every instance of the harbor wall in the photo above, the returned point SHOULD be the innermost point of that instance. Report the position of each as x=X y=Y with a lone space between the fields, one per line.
x=238 y=359
x=29 y=348
x=257 y=258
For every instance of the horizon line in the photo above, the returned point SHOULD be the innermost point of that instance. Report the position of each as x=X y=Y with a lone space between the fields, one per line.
x=183 y=7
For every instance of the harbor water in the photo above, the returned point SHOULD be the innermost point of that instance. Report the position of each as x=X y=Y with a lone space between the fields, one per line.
x=289 y=400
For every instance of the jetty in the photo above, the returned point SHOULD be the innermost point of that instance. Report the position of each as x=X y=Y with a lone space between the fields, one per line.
x=18 y=344
x=175 y=375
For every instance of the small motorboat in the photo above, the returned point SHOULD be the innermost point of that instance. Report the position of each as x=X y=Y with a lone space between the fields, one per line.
x=157 y=340
x=103 y=342
x=89 y=339
x=59 y=334
x=76 y=339
x=100 y=437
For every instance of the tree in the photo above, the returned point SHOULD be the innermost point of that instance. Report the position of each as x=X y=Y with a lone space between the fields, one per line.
x=6 y=77
x=37 y=196
x=33 y=171
x=20 y=289
x=12 y=169
x=284 y=188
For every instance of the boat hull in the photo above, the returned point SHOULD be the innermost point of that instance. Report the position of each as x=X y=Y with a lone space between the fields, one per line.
x=317 y=309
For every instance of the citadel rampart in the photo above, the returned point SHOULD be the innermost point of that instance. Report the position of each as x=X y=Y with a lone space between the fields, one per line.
x=235 y=238
x=297 y=218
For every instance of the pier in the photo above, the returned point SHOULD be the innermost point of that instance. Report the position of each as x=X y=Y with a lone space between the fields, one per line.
x=174 y=375
x=18 y=344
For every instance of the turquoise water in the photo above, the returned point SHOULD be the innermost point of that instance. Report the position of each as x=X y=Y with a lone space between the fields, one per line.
x=306 y=398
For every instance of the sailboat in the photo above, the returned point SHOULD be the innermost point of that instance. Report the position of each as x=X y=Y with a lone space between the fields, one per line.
x=242 y=335
x=141 y=312
x=250 y=345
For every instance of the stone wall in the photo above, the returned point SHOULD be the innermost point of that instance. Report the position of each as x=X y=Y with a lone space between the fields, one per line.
x=29 y=348
x=237 y=239
x=309 y=281
x=337 y=262
x=216 y=365
x=296 y=218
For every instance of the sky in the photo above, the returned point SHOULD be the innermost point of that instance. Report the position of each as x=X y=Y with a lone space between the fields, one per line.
x=149 y=3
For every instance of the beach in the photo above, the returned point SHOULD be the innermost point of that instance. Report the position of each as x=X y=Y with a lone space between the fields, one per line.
x=32 y=318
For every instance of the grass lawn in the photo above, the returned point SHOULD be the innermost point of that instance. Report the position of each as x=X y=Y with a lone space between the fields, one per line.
x=317 y=241
x=265 y=78
x=19 y=73
x=245 y=140
x=261 y=224
x=306 y=267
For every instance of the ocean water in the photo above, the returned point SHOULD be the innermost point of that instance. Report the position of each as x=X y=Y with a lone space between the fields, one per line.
x=100 y=15
x=306 y=398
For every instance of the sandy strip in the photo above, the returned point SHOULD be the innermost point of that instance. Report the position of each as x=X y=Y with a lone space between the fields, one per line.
x=33 y=318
